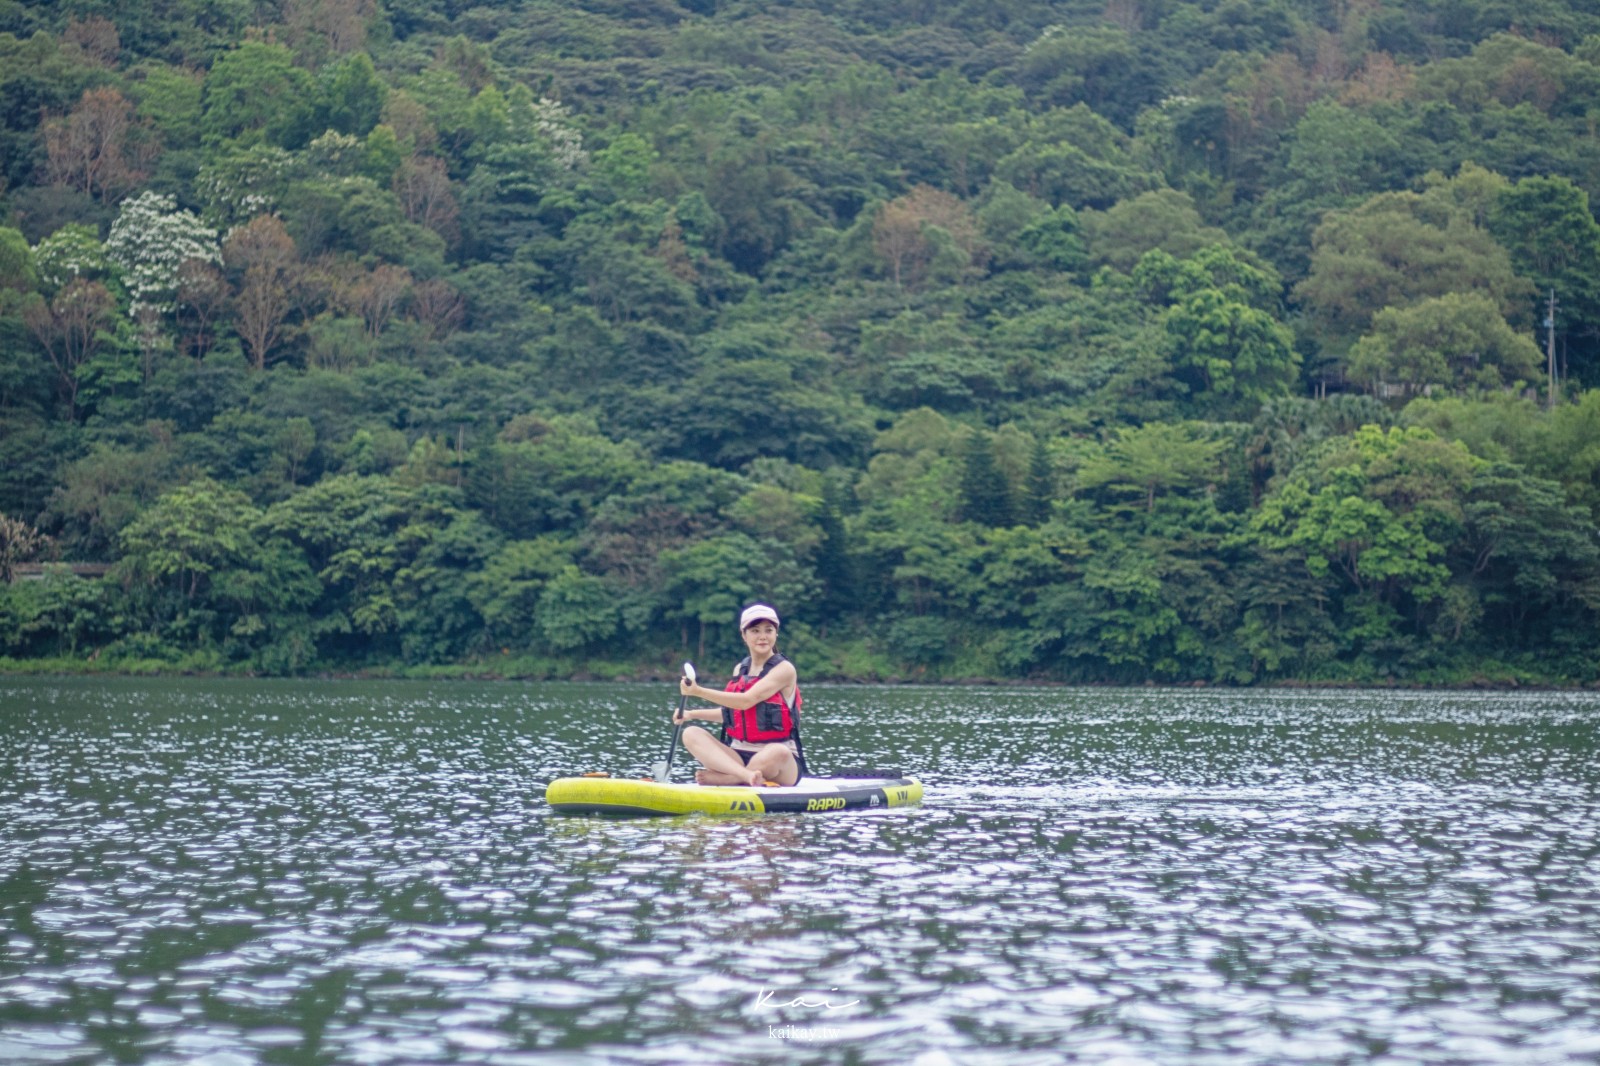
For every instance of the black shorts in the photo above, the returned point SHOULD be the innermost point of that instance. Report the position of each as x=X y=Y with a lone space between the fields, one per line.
x=800 y=766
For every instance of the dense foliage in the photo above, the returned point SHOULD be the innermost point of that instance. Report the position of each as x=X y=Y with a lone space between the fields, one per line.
x=1125 y=340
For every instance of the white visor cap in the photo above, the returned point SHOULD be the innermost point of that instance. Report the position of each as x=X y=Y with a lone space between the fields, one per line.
x=757 y=612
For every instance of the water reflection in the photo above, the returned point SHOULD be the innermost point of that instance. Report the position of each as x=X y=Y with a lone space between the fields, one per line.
x=307 y=873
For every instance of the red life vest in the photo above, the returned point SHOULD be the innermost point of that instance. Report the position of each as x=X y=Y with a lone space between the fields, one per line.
x=771 y=720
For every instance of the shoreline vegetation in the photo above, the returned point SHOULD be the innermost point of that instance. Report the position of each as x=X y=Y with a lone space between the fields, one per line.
x=1501 y=679
x=1178 y=342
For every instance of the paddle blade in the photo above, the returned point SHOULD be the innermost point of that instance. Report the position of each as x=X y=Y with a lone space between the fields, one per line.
x=659 y=771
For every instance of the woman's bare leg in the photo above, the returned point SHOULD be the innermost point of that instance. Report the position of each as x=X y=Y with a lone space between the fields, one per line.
x=722 y=766
x=776 y=763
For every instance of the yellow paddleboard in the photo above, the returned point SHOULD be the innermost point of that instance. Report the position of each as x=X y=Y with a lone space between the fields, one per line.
x=812 y=795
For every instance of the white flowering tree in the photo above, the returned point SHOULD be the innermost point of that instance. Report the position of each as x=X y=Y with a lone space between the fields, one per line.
x=540 y=118
x=554 y=123
x=337 y=153
x=150 y=241
x=74 y=251
x=246 y=182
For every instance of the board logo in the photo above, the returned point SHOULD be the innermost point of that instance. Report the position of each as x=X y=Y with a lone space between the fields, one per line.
x=825 y=803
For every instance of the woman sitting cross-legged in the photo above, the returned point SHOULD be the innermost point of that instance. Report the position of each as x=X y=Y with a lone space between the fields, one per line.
x=759 y=712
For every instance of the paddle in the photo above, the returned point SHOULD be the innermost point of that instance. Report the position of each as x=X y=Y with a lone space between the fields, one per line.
x=663 y=767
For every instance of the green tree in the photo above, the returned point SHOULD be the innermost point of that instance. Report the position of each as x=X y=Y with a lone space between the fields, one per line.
x=501 y=201
x=1547 y=226
x=381 y=158
x=187 y=535
x=1040 y=495
x=507 y=591
x=576 y=610
x=621 y=170
x=1569 y=450
x=740 y=167
x=37 y=77
x=986 y=495
x=1377 y=512
x=18 y=272
x=1554 y=240
x=67 y=611
x=708 y=580
x=1073 y=157
x=98 y=493
x=1457 y=341
x=1285 y=625
x=1231 y=356
x=392 y=560
x=1395 y=249
x=669 y=506
x=546 y=475
x=1336 y=155
x=353 y=96
x=438 y=547
x=347 y=527
x=1287 y=431
x=1164 y=279
x=203 y=570
x=916 y=360
x=1532 y=560
x=821 y=427
x=1096 y=65
x=1164 y=219
x=836 y=565
x=1139 y=592
x=169 y=98
x=1151 y=460
x=1054 y=238
x=256 y=93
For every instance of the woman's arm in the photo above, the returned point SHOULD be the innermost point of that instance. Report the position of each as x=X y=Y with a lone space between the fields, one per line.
x=783 y=677
x=697 y=714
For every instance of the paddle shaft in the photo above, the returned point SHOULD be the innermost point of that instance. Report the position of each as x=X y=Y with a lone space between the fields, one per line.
x=664 y=769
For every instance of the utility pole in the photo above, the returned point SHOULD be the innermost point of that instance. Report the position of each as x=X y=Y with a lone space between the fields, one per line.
x=1550 y=346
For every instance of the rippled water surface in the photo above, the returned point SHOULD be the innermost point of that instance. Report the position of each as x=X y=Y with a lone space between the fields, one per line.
x=298 y=872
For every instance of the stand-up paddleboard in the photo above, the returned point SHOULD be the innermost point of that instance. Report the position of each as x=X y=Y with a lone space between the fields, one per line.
x=621 y=796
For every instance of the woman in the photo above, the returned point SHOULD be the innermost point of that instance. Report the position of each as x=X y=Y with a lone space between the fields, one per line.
x=759 y=712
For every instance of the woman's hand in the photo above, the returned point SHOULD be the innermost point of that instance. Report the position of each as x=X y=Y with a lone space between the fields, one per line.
x=686 y=686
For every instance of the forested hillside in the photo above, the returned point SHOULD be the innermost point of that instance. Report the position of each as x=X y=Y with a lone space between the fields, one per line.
x=1119 y=340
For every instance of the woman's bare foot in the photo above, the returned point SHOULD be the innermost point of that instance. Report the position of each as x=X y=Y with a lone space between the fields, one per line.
x=751 y=778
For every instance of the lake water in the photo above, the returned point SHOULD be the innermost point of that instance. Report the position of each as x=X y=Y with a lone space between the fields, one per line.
x=225 y=873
